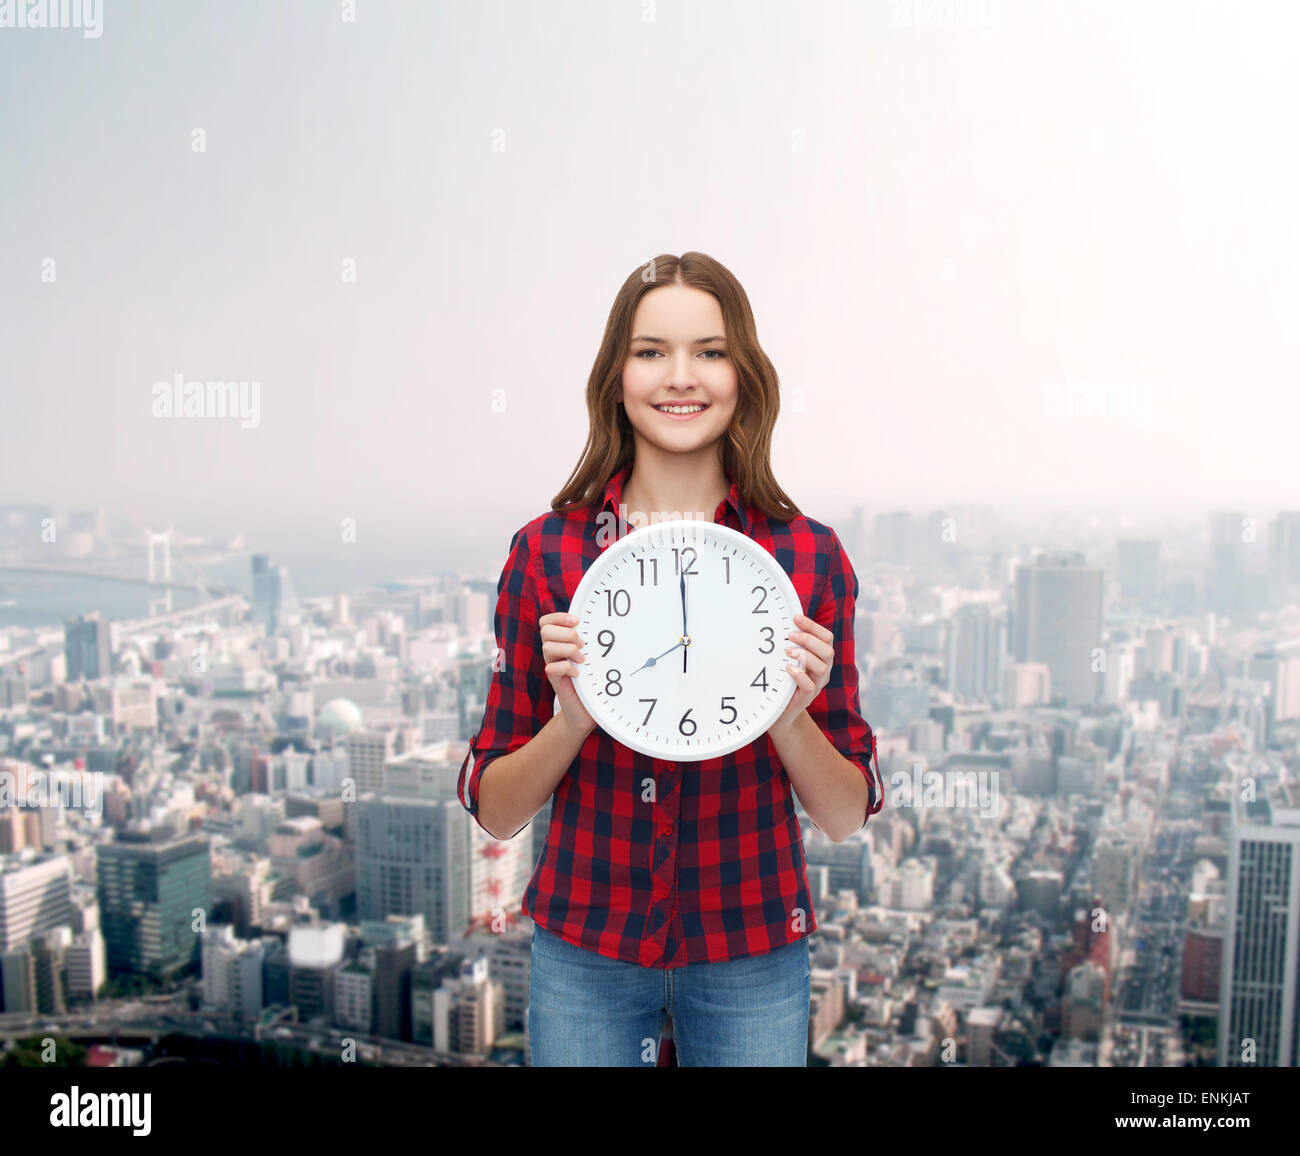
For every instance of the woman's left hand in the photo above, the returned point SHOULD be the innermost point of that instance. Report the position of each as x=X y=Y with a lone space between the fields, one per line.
x=812 y=653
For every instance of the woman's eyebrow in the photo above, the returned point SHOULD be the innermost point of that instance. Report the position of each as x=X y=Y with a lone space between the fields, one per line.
x=661 y=341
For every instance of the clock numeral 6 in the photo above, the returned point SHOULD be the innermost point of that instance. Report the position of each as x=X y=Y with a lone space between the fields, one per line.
x=686 y=718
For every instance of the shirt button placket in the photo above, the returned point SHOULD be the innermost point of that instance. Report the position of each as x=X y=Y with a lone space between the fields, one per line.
x=668 y=800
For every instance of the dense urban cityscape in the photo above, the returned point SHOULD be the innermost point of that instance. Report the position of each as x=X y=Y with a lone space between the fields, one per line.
x=234 y=824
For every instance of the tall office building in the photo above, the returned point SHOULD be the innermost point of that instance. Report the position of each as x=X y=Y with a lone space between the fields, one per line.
x=1058 y=622
x=498 y=870
x=87 y=646
x=368 y=754
x=274 y=600
x=151 y=883
x=1137 y=566
x=1227 y=578
x=35 y=897
x=976 y=646
x=413 y=858
x=1284 y=553
x=1282 y=673
x=1259 y=1016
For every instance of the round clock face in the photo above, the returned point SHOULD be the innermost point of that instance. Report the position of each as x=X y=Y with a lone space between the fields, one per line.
x=685 y=625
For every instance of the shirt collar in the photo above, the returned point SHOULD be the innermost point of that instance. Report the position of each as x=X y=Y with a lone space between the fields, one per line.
x=740 y=515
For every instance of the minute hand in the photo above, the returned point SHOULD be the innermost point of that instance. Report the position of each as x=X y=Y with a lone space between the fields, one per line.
x=685 y=653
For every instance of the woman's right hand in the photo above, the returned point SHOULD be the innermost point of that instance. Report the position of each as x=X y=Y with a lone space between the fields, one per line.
x=563 y=650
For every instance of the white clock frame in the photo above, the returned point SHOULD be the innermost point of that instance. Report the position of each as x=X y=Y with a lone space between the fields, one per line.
x=595 y=604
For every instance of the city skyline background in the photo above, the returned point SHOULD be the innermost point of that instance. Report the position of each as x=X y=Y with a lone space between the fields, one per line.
x=966 y=210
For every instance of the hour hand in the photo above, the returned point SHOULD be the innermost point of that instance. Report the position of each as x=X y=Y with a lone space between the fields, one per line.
x=657 y=657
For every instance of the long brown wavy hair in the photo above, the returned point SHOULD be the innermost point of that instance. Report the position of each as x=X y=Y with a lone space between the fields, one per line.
x=746 y=448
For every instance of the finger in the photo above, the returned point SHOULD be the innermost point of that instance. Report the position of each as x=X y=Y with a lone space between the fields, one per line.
x=823 y=650
x=558 y=633
x=562 y=668
x=814 y=664
x=554 y=650
x=816 y=629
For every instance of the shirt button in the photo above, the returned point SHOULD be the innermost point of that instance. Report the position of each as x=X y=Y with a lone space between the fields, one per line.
x=670 y=766
x=667 y=829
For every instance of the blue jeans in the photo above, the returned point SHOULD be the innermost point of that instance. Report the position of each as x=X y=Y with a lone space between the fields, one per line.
x=586 y=1010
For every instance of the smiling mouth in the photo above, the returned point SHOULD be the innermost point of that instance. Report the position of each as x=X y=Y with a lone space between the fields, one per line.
x=689 y=409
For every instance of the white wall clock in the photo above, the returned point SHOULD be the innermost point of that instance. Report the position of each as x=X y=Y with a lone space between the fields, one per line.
x=685 y=625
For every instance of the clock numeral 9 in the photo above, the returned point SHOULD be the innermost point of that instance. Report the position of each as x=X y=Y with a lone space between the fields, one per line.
x=600 y=638
x=612 y=603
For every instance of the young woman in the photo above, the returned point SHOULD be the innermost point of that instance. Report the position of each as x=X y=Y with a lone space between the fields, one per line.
x=669 y=889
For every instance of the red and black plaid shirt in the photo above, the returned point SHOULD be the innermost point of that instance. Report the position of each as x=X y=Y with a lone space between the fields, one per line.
x=713 y=867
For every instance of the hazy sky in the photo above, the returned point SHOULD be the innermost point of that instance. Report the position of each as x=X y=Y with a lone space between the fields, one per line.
x=940 y=228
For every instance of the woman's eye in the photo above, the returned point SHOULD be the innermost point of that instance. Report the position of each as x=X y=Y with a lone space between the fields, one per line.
x=718 y=353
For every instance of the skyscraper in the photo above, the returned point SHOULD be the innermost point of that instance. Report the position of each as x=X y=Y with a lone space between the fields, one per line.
x=1057 y=621
x=1137 y=566
x=976 y=645
x=274 y=600
x=151 y=883
x=87 y=646
x=413 y=858
x=1284 y=553
x=1259 y=1018
x=1227 y=579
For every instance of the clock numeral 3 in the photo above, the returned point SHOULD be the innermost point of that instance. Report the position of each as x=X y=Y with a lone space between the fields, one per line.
x=771 y=645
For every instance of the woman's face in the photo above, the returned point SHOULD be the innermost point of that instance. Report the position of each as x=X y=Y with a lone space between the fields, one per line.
x=679 y=356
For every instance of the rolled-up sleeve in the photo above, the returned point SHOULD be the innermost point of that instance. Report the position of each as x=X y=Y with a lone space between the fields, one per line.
x=520 y=700
x=837 y=709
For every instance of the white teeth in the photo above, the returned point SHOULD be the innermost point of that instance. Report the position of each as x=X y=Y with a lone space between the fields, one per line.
x=679 y=408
